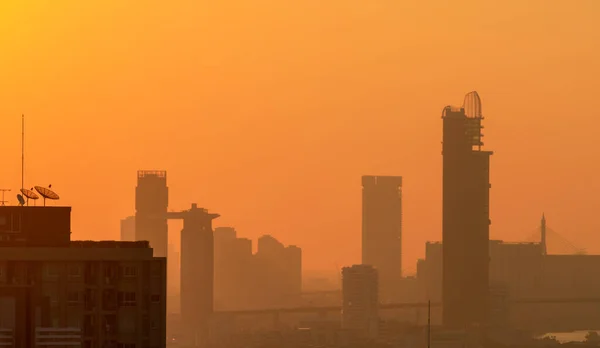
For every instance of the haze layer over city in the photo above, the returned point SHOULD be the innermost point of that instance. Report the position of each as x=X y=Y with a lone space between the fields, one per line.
x=269 y=112
x=313 y=174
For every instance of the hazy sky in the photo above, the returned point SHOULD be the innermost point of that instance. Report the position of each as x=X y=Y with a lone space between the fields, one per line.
x=268 y=112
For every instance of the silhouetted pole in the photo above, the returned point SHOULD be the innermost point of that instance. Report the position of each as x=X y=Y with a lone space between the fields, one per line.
x=429 y=324
x=23 y=152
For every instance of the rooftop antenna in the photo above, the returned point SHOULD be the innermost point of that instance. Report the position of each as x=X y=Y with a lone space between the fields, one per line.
x=3 y=191
x=47 y=193
x=22 y=151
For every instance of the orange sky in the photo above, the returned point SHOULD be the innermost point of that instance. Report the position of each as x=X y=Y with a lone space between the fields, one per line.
x=268 y=112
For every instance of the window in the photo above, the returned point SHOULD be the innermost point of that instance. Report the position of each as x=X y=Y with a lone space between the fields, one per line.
x=74 y=297
x=155 y=298
x=51 y=270
x=129 y=271
x=126 y=345
x=75 y=271
x=10 y=223
x=127 y=298
x=156 y=271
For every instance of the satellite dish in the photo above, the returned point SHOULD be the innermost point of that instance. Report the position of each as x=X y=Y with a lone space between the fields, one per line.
x=21 y=199
x=46 y=193
x=29 y=195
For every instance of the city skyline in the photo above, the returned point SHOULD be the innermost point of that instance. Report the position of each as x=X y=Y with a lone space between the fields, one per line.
x=329 y=120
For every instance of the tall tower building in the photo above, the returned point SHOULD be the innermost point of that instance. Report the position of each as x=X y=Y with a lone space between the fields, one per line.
x=382 y=231
x=197 y=273
x=360 y=300
x=151 y=202
x=466 y=220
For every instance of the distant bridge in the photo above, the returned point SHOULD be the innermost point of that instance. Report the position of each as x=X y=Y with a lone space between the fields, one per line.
x=326 y=309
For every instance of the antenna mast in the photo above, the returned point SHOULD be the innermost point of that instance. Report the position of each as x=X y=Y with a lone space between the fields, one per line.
x=3 y=202
x=22 y=151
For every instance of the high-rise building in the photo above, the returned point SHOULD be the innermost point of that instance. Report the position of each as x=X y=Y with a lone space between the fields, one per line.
x=197 y=273
x=360 y=300
x=151 y=202
x=278 y=271
x=128 y=229
x=466 y=219
x=57 y=292
x=271 y=278
x=234 y=277
x=382 y=231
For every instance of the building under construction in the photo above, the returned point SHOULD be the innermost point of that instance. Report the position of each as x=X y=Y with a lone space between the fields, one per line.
x=466 y=219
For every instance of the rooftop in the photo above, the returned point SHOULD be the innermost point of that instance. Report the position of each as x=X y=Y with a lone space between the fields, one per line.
x=108 y=244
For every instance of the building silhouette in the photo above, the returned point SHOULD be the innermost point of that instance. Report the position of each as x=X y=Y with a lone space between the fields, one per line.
x=128 y=229
x=151 y=202
x=360 y=300
x=278 y=272
x=94 y=294
x=525 y=270
x=465 y=226
x=269 y=278
x=197 y=273
x=382 y=231
x=234 y=278
x=173 y=279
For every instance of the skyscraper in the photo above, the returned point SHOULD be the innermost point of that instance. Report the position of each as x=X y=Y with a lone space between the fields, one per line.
x=151 y=202
x=382 y=231
x=466 y=220
x=197 y=273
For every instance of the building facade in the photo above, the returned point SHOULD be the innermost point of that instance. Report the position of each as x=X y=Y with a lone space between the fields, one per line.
x=76 y=293
x=382 y=231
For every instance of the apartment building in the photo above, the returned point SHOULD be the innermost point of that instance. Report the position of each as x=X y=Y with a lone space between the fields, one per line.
x=62 y=293
x=360 y=300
